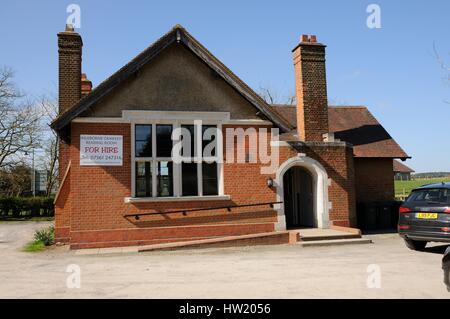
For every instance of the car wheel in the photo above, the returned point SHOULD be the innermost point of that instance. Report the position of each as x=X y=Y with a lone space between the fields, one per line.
x=446 y=268
x=415 y=244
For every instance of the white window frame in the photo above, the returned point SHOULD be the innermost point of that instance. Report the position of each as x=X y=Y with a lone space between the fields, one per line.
x=176 y=119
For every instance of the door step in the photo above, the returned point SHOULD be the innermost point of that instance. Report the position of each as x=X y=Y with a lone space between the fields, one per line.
x=271 y=238
x=327 y=237
x=318 y=234
x=335 y=242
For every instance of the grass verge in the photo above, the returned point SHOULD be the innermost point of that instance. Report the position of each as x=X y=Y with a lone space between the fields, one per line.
x=42 y=238
x=34 y=246
x=405 y=187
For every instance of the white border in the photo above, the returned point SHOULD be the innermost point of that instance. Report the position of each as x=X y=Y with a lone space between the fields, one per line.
x=176 y=119
x=320 y=186
x=175 y=199
x=137 y=119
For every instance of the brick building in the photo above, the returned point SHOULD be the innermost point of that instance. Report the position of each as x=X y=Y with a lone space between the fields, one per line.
x=402 y=172
x=116 y=140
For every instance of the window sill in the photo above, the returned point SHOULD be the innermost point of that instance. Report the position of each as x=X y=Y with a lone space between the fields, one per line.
x=175 y=199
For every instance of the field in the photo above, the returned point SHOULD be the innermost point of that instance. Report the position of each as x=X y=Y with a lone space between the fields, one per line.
x=404 y=187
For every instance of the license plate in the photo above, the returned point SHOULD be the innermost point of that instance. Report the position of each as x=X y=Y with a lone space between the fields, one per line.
x=427 y=215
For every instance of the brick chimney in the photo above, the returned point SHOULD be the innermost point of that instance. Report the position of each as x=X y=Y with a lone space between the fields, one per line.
x=69 y=87
x=86 y=85
x=69 y=50
x=311 y=89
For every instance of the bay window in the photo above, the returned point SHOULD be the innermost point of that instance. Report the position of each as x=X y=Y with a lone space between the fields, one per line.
x=156 y=174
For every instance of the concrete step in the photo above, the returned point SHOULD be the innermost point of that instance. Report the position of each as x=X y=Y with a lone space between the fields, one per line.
x=335 y=242
x=270 y=238
x=315 y=234
x=328 y=237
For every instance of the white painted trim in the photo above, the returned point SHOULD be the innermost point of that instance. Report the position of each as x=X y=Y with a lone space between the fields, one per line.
x=164 y=116
x=177 y=187
x=219 y=154
x=170 y=116
x=133 y=163
x=320 y=186
x=279 y=144
x=175 y=199
x=177 y=181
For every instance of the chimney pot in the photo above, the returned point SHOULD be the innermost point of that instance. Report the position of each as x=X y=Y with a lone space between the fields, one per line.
x=313 y=39
x=304 y=38
x=86 y=85
x=69 y=28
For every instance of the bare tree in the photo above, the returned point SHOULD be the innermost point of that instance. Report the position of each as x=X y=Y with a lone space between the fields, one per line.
x=271 y=96
x=15 y=181
x=49 y=111
x=443 y=64
x=19 y=122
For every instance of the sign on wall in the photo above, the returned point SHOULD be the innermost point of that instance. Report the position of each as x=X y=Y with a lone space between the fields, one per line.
x=101 y=150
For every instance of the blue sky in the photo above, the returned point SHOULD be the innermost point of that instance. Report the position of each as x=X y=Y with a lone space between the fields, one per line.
x=392 y=70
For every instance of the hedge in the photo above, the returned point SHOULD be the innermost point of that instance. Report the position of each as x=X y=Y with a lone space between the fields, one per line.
x=23 y=207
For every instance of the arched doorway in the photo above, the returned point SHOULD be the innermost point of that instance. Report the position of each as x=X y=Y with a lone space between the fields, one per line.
x=320 y=183
x=298 y=198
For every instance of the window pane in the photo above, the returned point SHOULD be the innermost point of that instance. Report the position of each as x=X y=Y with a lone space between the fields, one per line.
x=165 y=179
x=431 y=196
x=164 y=140
x=211 y=141
x=143 y=179
x=143 y=140
x=209 y=181
x=141 y=187
x=191 y=129
x=143 y=149
x=143 y=132
x=189 y=179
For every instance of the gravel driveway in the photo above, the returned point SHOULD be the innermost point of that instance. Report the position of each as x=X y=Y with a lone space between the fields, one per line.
x=242 y=272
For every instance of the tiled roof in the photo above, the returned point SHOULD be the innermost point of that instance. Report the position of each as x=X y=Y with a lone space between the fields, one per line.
x=401 y=168
x=357 y=126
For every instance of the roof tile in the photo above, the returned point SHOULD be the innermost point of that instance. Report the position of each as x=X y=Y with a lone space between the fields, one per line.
x=357 y=126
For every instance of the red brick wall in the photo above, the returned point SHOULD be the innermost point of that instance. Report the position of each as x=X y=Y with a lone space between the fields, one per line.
x=374 y=179
x=62 y=213
x=98 y=193
x=338 y=162
x=97 y=196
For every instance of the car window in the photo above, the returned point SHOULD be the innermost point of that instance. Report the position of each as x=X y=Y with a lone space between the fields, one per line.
x=430 y=195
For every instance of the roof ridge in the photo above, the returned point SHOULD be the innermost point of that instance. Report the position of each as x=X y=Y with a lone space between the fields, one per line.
x=330 y=106
x=348 y=106
x=178 y=34
x=98 y=87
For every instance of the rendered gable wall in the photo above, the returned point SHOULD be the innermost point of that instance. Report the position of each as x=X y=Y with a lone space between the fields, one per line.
x=176 y=80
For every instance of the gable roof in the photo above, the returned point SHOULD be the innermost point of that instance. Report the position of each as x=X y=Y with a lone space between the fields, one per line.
x=180 y=35
x=357 y=126
x=401 y=168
